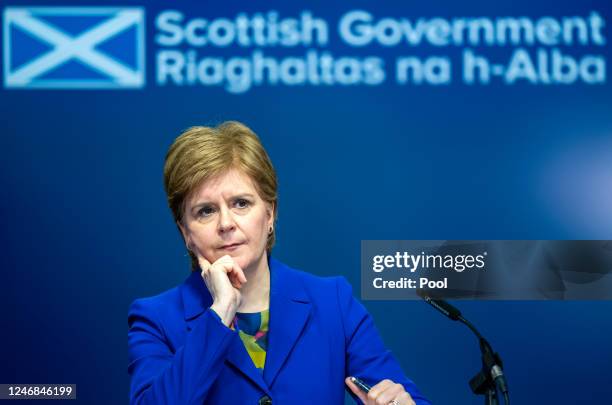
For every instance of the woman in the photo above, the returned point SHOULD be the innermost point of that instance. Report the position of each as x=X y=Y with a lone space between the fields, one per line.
x=245 y=328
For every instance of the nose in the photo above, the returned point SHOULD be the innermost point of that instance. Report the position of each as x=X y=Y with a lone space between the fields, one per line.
x=226 y=220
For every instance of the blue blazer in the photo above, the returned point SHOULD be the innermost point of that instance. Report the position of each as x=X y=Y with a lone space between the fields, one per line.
x=181 y=353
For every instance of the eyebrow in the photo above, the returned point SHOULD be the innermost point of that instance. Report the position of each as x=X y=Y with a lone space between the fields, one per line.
x=203 y=203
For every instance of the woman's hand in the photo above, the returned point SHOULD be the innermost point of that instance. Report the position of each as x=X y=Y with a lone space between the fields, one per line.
x=224 y=279
x=385 y=392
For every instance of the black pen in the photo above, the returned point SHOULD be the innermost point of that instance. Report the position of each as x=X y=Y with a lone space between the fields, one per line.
x=363 y=386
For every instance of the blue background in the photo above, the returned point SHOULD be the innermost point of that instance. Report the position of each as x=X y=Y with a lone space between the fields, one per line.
x=85 y=227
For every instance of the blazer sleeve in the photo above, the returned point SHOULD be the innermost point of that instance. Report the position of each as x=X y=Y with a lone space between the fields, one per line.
x=160 y=376
x=366 y=355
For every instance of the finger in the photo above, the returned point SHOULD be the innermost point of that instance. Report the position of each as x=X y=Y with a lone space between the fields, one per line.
x=205 y=271
x=378 y=389
x=356 y=390
x=235 y=275
x=233 y=271
x=234 y=281
x=391 y=392
x=238 y=272
x=204 y=264
x=405 y=399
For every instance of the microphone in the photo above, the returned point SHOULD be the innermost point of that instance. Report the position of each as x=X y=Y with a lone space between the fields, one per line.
x=441 y=305
x=492 y=363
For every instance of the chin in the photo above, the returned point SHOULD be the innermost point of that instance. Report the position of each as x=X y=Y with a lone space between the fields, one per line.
x=245 y=260
x=241 y=260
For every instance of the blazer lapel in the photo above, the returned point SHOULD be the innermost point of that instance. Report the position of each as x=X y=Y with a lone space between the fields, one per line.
x=240 y=359
x=289 y=314
x=196 y=299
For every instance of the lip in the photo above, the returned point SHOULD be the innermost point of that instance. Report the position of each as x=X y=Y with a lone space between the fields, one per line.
x=231 y=247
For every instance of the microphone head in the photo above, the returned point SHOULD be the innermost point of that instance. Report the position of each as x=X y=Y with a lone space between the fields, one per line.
x=427 y=295
x=441 y=305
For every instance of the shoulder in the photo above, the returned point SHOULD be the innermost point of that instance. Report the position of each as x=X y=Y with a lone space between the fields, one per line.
x=331 y=298
x=317 y=288
x=157 y=306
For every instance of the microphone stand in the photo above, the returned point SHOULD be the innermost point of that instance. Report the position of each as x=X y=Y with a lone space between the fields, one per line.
x=491 y=375
x=483 y=382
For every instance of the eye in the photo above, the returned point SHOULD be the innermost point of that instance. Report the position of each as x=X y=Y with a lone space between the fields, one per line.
x=206 y=211
x=242 y=203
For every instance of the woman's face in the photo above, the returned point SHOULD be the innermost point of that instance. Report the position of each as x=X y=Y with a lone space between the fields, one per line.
x=226 y=216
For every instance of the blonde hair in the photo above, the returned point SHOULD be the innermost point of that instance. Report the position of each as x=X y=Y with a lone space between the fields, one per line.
x=201 y=153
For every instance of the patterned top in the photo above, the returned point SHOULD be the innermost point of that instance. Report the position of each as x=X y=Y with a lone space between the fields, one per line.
x=253 y=331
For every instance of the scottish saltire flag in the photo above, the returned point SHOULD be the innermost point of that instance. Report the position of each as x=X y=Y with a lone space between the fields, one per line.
x=74 y=47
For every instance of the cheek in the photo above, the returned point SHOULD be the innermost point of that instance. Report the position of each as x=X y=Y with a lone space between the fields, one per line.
x=262 y=227
x=203 y=238
x=209 y=252
x=257 y=231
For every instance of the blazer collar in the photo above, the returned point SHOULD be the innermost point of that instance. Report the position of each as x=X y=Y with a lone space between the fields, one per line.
x=196 y=298
x=289 y=314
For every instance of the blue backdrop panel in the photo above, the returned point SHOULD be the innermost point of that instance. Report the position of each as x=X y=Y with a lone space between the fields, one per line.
x=86 y=228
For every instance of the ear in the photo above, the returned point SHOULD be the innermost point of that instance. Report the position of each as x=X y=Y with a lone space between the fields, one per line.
x=270 y=208
x=184 y=232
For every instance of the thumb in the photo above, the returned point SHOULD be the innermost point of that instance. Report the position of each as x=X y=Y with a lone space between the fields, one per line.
x=204 y=264
x=356 y=390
